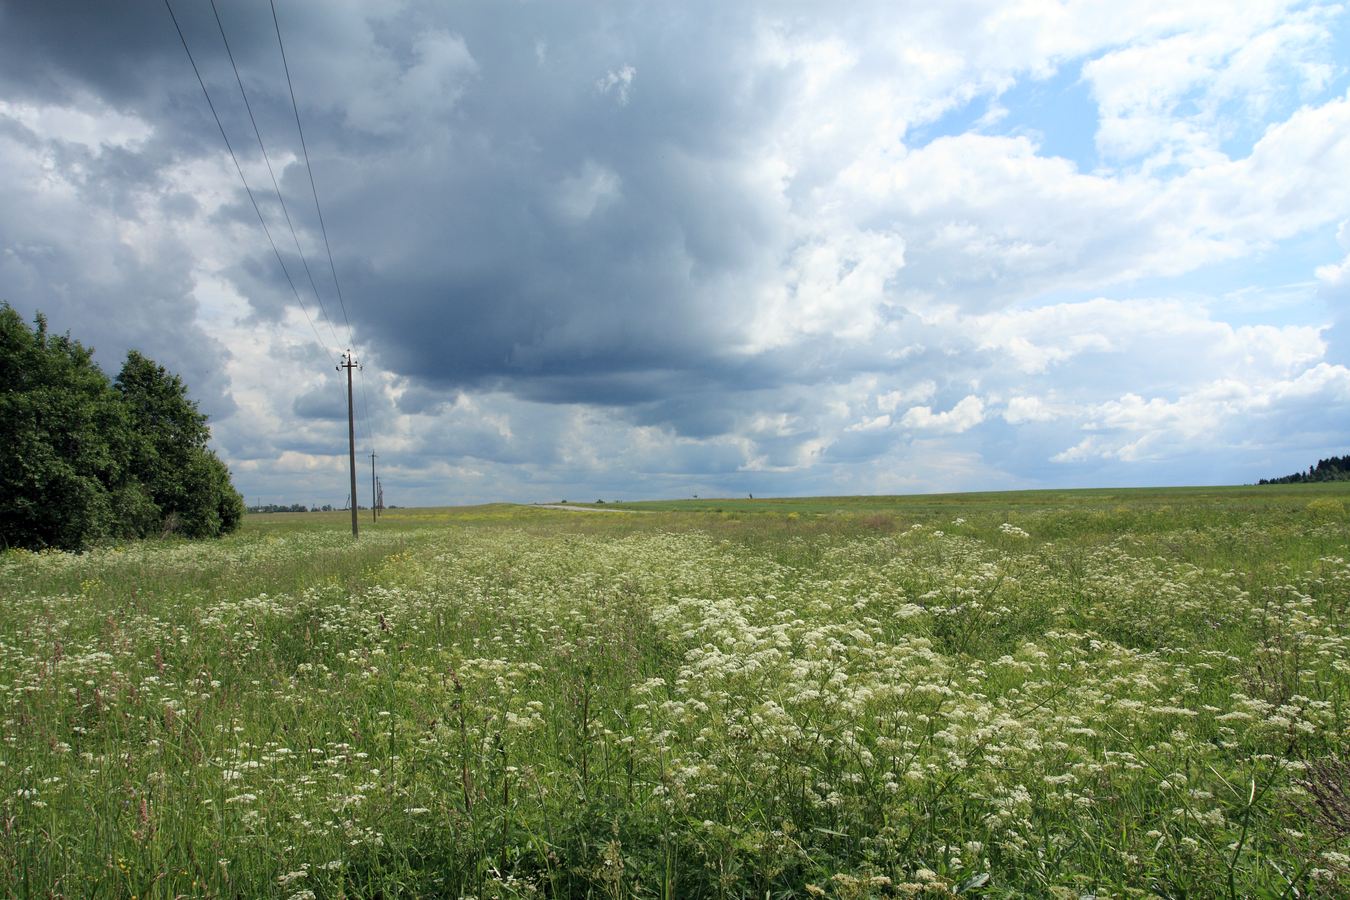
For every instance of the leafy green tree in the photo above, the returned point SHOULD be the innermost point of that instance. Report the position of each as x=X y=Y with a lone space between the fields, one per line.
x=185 y=480
x=87 y=460
x=64 y=432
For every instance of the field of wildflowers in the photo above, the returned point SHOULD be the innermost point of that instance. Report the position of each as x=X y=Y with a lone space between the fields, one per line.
x=1099 y=694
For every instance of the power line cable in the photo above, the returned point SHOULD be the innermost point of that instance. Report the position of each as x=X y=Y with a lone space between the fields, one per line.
x=323 y=228
x=239 y=169
x=308 y=168
x=275 y=186
x=365 y=403
x=258 y=211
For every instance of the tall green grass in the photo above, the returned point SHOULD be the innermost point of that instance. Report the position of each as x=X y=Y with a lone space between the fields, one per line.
x=1110 y=693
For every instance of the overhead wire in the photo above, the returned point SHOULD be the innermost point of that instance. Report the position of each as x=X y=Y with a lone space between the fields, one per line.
x=323 y=228
x=365 y=405
x=365 y=401
x=261 y=221
x=310 y=169
x=275 y=186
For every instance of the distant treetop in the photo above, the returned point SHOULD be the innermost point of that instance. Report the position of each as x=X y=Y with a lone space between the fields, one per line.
x=1335 y=468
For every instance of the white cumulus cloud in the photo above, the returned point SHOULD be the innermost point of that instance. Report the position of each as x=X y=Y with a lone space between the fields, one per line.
x=966 y=414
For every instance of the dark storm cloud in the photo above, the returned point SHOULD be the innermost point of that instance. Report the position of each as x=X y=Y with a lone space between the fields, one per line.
x=325 y=403
x=861 y=445
x=541 y=233
x=611 y=239
x=465 y=434
x=700 y=414
x=109 y=298
x=54 y=50
x=484 y=280
x=535 y=199
x=73 y=268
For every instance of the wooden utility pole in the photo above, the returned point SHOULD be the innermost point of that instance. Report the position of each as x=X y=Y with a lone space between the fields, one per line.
x=348 y=363
x=374 y=493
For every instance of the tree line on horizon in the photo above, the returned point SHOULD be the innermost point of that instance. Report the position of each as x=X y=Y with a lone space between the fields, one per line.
x=1334 y=468
x=302 y=508
x=89 y=460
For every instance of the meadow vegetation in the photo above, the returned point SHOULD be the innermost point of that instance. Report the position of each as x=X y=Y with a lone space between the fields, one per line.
x=1069 y=694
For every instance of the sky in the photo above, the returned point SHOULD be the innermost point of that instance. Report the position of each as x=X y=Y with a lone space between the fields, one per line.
x=634 y=250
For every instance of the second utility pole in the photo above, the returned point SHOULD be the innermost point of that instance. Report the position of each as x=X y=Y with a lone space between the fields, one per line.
x=348 y=363
x=374 y=495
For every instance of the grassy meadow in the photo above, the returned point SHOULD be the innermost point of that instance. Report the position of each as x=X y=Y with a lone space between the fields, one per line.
x=1055 y=694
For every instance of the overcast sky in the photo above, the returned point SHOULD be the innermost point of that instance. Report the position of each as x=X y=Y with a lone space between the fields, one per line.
x=631 y=250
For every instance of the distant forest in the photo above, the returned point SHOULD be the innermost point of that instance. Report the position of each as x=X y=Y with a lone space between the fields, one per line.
x=1336 y=468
